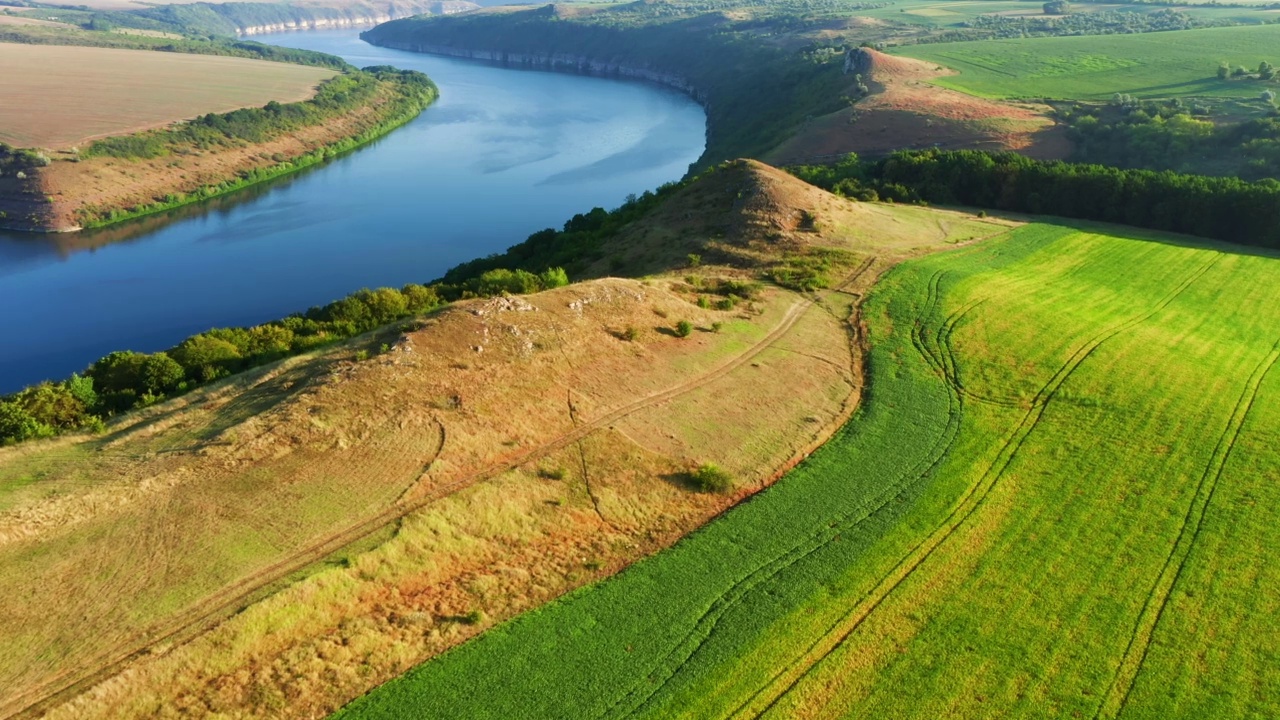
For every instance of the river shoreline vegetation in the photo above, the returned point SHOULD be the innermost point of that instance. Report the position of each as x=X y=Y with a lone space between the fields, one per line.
x=398 y=96
x=125 y=380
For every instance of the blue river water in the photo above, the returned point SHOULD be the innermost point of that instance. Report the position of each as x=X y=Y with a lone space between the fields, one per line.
x=503 y=153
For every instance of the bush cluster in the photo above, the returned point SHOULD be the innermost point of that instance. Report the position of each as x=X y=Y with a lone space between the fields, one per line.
x=711 y=478
x=124 y=380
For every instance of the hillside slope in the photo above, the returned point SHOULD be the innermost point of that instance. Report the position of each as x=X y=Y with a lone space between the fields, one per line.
x=491 y=457
x=1056 y=500
x=906 y=109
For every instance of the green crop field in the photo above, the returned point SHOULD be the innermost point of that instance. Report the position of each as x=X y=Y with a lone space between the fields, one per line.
x=952 y=13
x=1058 y=499
x=1148 y=65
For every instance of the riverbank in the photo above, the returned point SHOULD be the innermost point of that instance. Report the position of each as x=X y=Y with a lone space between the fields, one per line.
x=755 y=94
x=80 y=190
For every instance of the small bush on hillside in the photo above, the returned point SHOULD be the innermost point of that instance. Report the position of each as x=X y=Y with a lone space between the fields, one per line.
x=551 y=473
x=703 y=302
x=695 y=259
x=684 y=328
x=475 y=617
x=630 y=334
x=716 y=326
x=711 y=478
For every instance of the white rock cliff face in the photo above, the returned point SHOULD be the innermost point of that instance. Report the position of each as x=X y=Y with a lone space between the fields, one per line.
x=562 y=62
x=363 y=19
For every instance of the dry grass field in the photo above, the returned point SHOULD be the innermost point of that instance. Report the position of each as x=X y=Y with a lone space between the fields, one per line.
x=61 y=96
x=499 y=454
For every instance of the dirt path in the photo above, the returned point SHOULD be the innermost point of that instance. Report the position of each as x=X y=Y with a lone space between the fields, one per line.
x=236 y=596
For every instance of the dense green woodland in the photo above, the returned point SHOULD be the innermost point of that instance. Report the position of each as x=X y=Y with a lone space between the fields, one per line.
x=1168 y=136
x=1222 y=208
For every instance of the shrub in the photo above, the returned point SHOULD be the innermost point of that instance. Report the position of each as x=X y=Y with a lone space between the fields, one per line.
x=711 y=478
x=684 y=328
x=16 y=424
x=551 y=473
x=630 y=334
x=695 y=259
x=475 y=617
x=716 y=326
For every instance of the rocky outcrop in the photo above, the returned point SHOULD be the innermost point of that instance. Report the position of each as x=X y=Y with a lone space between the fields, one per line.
x=559 y=62
x=366 y=19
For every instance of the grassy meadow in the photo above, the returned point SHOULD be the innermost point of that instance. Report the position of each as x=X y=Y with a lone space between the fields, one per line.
x=943 y=14
x=59 y=96
x=1057 y=500
x=1149 y=65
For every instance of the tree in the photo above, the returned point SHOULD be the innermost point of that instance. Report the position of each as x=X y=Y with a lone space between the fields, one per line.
x=1057 y=7
x=1269 y=97
x=16 y=424
x=52 y=405
x=1224 y=71
x=206 y=358
x=161 y=374
x=1266 y=71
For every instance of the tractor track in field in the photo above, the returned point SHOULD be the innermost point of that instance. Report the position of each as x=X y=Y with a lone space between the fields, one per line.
x=966 y=507
x=1135 y=655
x=653 y=682
x=234 y=597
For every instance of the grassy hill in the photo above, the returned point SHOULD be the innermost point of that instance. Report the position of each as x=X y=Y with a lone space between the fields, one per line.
x=281 y=541
x=1053 y=501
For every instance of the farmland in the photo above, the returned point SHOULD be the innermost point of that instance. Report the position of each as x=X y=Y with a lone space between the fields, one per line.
x=1150 y=65
x=1057 y=499
x=59 y=96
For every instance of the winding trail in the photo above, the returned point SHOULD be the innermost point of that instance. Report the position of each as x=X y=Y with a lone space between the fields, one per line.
x=236 y=596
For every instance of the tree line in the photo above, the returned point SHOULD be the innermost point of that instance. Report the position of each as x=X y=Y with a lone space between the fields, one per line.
x=335 y=97
x=126 y=380
x=1221 y=208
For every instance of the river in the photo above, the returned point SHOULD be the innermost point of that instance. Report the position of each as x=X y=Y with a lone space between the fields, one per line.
x=503 y=153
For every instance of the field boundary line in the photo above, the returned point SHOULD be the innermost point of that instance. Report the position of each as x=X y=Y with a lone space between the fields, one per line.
x=222 y=604
x=642 y=692
x=968 y=505
x=1135 y=655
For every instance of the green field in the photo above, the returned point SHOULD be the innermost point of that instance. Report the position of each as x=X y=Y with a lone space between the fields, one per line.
x=1057 y=500
x=951 y=13
x=1148 y=65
